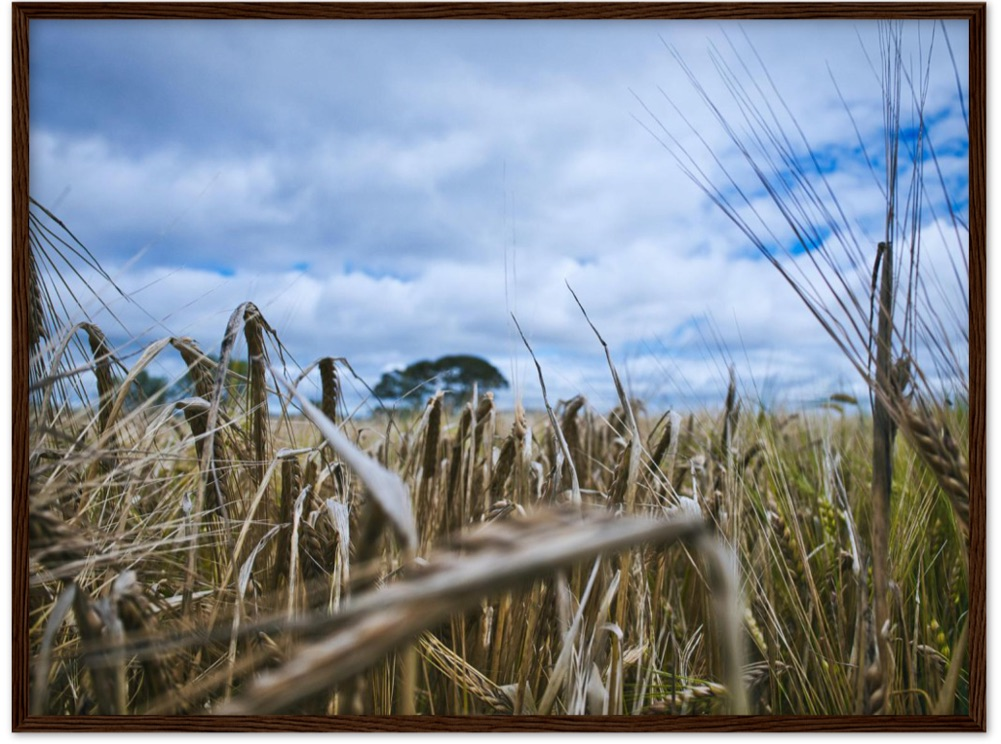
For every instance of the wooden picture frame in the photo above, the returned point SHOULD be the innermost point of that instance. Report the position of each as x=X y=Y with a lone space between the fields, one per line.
x=25 y=13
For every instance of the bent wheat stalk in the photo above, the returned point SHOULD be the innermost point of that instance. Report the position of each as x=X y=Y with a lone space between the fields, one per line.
x=499 y=557
x=385 y=487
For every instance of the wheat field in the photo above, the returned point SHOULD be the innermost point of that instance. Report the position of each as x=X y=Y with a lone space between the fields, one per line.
x=257 y=547
x=213 y=556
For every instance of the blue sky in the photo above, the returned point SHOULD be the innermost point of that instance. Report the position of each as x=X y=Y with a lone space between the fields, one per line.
x=389 y=191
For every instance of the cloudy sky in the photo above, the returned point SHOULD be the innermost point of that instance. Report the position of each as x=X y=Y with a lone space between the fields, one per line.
x=390 y=191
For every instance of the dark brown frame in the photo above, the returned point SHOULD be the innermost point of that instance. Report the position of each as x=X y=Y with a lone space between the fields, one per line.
x=975 y=13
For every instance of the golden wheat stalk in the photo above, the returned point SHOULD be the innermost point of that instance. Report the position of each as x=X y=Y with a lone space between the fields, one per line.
x=498 y=557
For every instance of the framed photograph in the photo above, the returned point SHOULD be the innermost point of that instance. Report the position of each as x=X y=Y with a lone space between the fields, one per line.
x=499 y=367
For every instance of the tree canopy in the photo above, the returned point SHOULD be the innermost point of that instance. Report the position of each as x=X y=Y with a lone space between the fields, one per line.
x=144 y=387
x=456 y=373
x=235 y=386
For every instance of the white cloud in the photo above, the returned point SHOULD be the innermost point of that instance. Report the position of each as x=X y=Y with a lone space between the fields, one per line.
x=406 y=210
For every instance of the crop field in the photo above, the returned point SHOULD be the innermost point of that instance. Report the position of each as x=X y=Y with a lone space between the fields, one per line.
x=259 y=545
x=209 y=556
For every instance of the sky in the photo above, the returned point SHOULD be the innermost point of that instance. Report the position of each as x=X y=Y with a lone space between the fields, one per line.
x=388 y=191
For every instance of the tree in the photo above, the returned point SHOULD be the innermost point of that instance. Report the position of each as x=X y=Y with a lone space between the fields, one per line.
x=145 y=387
x=455 y=373
x=234 y=388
